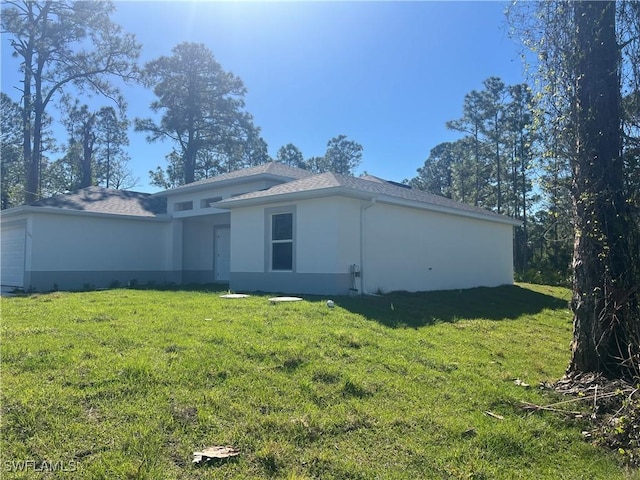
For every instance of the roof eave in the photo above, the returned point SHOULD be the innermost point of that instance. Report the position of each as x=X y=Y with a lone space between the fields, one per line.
x=26 y=209
x=293 y=196
x=190 y=188
x=362 y=195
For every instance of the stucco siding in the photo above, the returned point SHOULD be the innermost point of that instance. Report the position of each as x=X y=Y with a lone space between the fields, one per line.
x=326 y=241
x=415 y=250
x=247 y=240
x=73 y=251
x=88 y=243
x=404 y=248
x=328 y=235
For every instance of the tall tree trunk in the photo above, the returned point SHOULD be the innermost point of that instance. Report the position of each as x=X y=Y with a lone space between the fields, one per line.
x=88 y=141
x=31 y=171
x=606 y=281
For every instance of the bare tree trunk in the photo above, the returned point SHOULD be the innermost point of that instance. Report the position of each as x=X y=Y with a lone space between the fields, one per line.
x=30 y=170
x=605 y=289
x=88 y=141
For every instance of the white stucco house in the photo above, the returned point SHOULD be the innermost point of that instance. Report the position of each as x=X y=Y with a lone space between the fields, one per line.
x=269 y=228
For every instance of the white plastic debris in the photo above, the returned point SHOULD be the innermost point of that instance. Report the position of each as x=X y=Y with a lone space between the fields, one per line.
x=284 y=299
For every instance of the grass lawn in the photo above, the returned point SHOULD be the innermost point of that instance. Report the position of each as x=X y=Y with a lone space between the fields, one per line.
x=125 y=384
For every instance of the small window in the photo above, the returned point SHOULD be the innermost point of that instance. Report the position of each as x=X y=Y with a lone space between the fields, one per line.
x=282 y=242
x=209 y=202
x=183 y=206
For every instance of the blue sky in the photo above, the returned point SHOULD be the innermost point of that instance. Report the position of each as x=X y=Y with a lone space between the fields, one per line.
x=389 y=75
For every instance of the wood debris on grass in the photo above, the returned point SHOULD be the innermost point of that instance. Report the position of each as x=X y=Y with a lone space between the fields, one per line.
x=612 y=407
x=215 y=453
x=494 y=415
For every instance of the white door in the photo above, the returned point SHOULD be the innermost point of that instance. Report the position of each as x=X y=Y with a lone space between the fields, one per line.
x=222 y=253
x=12 y=245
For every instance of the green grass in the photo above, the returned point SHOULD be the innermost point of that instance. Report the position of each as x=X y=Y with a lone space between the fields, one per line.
x=125 y=384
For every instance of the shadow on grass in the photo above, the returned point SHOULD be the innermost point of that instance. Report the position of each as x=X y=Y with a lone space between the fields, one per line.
x=402 y=309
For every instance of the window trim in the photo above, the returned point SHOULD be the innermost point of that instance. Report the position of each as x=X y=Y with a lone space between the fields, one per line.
x=268 y=241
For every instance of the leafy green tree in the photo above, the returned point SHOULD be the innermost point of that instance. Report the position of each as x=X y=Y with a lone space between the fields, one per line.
x=80 y=123
x=252 y=151
x=471 y=123
x=520 y=135
x=493 y=128
x=11 y=166
x=290 y=155
x=63 y=174
x=342 y=156
x=62 y=44
x=580 y=63
x=629 y=38
x=111 y=161
x=96 y=141
x=202 y=111
x=317 y=165
x=437 y=174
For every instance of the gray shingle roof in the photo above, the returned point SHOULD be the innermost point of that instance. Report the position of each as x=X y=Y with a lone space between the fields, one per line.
x=373 y=186
x=275 y=169
x=104 y=200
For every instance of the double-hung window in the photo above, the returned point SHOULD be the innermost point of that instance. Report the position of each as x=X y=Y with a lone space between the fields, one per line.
x=282 y=241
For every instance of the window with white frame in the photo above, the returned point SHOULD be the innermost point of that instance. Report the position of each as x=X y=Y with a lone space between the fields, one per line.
x=282 y=241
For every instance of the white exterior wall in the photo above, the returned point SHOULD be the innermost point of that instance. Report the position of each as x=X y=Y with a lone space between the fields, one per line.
x=326 y=242
x=72 y=251
x=247 y=240
x=326 y=238
x=98 y=243
x=404 y=248
x=417 y=250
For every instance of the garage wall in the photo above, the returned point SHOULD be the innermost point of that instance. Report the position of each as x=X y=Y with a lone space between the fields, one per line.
x=417 y=250
x=12 y=253
x=74 y=251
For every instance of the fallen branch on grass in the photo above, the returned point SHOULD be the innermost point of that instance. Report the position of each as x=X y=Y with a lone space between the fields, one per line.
x=590 y=398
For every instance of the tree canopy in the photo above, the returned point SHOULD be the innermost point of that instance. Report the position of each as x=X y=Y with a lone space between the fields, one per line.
x=202 y=109
x=62 y=44
x=583 y=63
